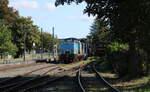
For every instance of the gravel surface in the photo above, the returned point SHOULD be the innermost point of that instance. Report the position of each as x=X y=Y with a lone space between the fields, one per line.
x=45 y=70
x=20 y=71
x=16 y=63
x=65 y=85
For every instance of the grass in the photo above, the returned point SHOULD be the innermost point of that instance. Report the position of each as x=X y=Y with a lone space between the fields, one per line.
x=141 y=84
x=136 y=85
x=80 y=63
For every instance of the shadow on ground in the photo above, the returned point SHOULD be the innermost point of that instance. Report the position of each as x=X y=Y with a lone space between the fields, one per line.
x=117 y=82
x=50 y=84
x=65 y=84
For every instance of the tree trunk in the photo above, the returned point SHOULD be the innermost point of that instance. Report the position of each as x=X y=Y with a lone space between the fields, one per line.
x=148 y=64
x=134 y=64
x=1 y=56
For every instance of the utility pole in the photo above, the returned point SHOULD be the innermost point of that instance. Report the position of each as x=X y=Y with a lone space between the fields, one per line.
x=53 y=41
x=24 y=58
x=42 y=43
x=53 y=32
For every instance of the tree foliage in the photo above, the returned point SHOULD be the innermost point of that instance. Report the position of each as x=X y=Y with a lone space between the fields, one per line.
x=129 y=22
x=23 y=28
x=6 y=45
x=7 y=13
x=24 y=33
x=49 y=41
x=98 y=35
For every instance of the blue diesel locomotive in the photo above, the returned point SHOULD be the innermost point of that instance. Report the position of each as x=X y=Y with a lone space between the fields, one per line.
x=72 y=49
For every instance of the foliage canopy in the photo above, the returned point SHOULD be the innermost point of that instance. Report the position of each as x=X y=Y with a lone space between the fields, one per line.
x=129 y=22
x=24 y=33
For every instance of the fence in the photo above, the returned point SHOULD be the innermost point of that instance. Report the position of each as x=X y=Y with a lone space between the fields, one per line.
x=28 y=57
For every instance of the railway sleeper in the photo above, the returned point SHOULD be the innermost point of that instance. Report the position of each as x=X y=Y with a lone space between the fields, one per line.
x=42 y=84
x=5 y=82
x=25 y=83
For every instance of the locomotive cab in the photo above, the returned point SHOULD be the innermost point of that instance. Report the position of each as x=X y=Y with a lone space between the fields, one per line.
x=71 y=49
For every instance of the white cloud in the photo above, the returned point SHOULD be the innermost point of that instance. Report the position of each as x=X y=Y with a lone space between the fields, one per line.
x=39 y=18
x=24 y=4
x=51 y=6
x=82 y=18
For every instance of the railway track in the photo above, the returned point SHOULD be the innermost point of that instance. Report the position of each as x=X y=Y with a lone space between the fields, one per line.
x=101 y=79
x=48 y=80
x=32 y=84
x=12 y=84
x=66 y=84
x=80 y=84
x=13 y=81
x=38 y=83
x=42 y=70
x=94 y=84
x=10 y=67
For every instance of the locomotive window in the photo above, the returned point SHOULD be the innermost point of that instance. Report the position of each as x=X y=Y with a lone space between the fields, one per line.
x=78 y=51
x=67 y=52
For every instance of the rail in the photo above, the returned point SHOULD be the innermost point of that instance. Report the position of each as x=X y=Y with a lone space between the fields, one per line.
x=78 y=75
x=16 y=86
x=113 y=89
x=52 y=80
x=15 y=83
x=38 y=82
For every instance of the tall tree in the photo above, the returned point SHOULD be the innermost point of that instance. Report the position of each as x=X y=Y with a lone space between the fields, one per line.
x=99 y=36
x=127 y=20
x=49 y=41
x=6 y=45
x=25 y=33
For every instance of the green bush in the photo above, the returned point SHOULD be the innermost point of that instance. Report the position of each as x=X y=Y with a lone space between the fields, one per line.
x=117 y=54
x=115 y=47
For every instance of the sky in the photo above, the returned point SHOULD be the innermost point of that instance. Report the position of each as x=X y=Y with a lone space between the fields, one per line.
x=68 y=20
